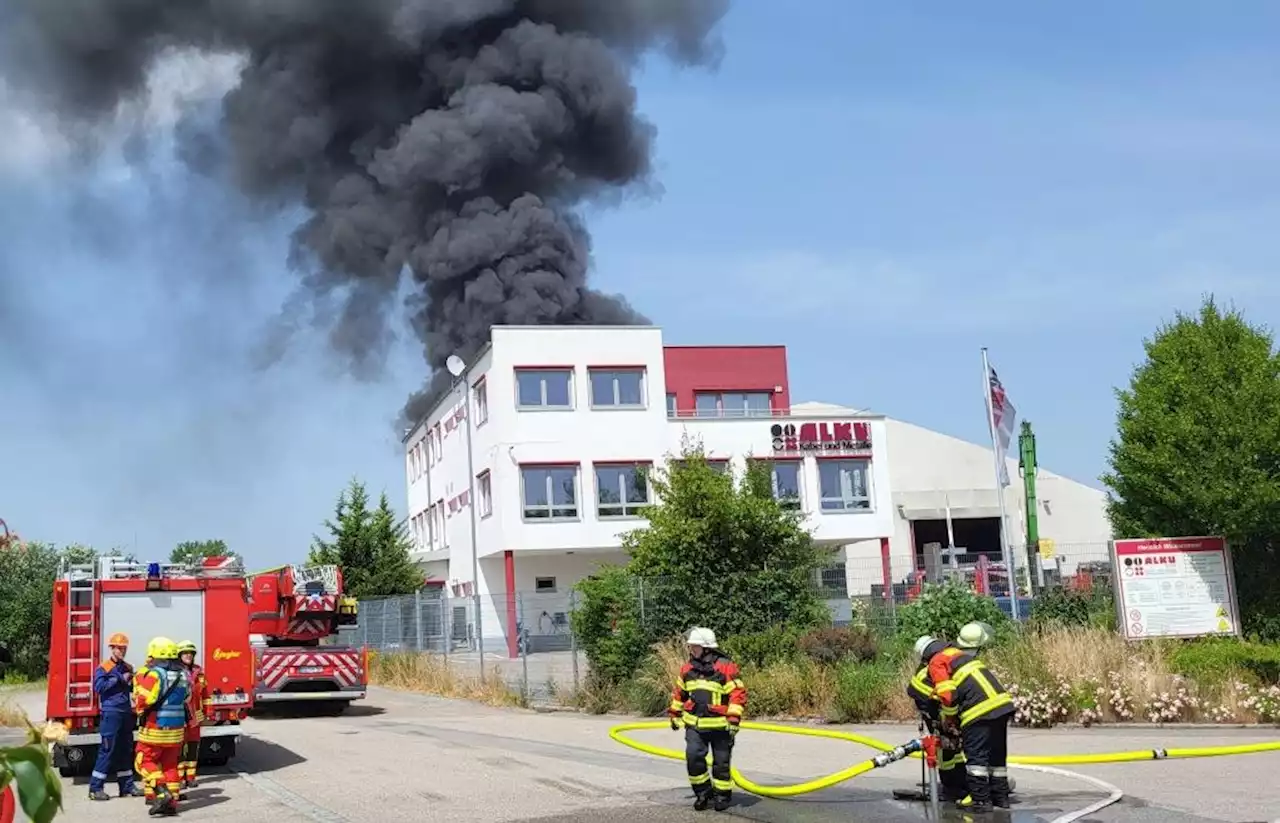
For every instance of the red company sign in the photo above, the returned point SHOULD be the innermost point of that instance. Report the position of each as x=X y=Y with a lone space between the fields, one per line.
x=852 y=439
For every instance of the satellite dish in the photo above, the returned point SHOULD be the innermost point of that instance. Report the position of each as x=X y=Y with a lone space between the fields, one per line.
x=455 y=365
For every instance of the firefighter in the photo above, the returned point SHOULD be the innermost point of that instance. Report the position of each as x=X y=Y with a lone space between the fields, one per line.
x=951 y=773
x=708 y=700
x=112 y=683
x=196 y=707
x=974 y=703
x=160 y=695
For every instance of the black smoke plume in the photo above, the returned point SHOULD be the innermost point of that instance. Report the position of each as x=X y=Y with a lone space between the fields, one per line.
x=451 y=139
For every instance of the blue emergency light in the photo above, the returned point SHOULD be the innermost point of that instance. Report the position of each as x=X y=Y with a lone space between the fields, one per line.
x=153 y=576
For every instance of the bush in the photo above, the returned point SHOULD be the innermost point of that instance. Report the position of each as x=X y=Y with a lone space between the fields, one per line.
x=607 y=623
x=775 y=645
x=864 y=691
x=1093 y=608
x=836 y=644
x=1221 y=659
x=942 y=610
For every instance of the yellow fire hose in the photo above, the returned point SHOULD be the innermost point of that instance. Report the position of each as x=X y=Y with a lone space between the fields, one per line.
x=618 y=733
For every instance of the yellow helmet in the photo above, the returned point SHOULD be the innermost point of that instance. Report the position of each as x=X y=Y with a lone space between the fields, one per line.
x=186 y=646
x=162 y=648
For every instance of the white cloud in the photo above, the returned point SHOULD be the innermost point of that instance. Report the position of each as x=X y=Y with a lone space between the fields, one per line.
x=35 y=140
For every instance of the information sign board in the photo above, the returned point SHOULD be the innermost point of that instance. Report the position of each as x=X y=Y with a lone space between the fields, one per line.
x=1175 y=587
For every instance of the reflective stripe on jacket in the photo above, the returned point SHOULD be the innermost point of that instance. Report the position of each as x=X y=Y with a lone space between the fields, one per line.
x=161 y=691
x=966 y=688
x=709 y=693
x=199 y=700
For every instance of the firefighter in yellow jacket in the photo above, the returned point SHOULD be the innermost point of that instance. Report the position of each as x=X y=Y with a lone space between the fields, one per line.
x=709 y=701
x=197 y=706
x=161 y=690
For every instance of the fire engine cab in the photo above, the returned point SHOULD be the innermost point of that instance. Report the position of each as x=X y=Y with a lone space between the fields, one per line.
x=205 y=603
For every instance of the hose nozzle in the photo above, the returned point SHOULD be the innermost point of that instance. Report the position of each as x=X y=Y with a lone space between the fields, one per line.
x=905 y=750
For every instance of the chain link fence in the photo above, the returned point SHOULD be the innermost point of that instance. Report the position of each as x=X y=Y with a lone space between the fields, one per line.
x=528 y=639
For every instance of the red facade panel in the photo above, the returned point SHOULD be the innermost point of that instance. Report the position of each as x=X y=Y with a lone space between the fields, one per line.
x=692 y=369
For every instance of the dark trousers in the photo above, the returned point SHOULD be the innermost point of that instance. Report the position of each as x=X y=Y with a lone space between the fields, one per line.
x=115 y=753
x=986 y=754
x=696 y=745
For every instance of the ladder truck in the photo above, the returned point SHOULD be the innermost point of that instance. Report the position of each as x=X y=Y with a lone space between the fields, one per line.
x=204 y=603
x=295 y=614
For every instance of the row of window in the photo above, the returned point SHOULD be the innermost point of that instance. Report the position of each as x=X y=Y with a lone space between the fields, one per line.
x=625 y=388
x=551 y=493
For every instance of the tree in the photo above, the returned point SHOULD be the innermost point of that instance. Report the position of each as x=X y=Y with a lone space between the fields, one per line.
x=193 y=551
x=371 y=547
x=1197 y=450
x=714 y=553
x=27 y=573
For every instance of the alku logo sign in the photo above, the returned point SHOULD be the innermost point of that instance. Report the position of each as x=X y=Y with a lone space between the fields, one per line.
x=852 y=439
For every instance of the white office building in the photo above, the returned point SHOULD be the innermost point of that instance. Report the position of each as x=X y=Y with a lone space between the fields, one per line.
x=563 y=421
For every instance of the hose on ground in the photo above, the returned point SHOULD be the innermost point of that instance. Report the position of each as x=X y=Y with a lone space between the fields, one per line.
x=618 y=733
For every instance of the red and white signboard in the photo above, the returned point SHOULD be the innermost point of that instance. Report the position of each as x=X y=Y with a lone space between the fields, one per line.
x=1175 y=587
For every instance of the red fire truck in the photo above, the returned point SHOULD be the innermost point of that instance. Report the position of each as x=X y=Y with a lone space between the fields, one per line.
x=203 y=603
x=295 y=613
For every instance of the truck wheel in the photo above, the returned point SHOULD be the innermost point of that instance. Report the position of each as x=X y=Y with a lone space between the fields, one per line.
x=67 y=771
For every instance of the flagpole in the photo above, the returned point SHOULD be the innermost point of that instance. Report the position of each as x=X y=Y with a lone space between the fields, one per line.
x=995 y=454
x=951 y=535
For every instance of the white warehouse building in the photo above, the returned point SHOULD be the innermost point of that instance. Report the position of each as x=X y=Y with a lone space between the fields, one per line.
x=563 y=421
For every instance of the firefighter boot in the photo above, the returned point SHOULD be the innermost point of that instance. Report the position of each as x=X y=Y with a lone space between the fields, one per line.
x=723 y=799
x=702 y=799
x=164 y=805
x=99 y=794
x=953 y=786
x=979 y=799
x=999 y=790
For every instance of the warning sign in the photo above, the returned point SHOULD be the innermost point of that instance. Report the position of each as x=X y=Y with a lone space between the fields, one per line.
x=1175 y=587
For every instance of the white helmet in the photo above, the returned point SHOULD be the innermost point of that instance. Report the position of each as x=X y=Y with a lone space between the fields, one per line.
x=702 y=637
x=925 y=641
x=974 y=635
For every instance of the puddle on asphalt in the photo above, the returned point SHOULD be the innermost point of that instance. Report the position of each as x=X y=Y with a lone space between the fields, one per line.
x=861 y=806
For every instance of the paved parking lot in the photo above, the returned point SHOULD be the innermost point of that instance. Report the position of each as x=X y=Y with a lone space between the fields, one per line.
x=400 y=757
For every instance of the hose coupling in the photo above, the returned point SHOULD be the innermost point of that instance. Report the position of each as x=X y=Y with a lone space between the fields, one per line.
x=905 y=750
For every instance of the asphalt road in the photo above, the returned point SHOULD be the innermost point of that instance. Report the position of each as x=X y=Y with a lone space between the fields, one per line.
x=399 y=757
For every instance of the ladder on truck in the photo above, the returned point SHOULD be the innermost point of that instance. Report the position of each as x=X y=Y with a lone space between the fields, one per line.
x=82 y=637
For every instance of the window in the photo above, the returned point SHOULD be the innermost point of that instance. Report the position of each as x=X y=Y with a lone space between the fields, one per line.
x=786 y=483
x=845 y=485
x=617 y=388
x=544 y=388
x=721 y=466
x=544 y=585
x=550 y=492
x=671 y=406
x=622 y=489
x=484 y=487
x=444 y=527
x=733 y=404
x=834 y=579
x=431 y=452
x=431 y=525
x=482 y=403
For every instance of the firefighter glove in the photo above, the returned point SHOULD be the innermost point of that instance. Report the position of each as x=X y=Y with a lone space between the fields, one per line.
x=675 y=725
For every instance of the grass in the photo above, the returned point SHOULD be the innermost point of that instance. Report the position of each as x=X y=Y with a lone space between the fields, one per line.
x=1057 y=674
x=434 y=674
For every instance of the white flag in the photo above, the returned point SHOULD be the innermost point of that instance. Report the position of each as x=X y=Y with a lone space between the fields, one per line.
x=1003 y=416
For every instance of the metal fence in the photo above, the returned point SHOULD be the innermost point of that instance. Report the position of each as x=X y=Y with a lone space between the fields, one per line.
x=528 y=639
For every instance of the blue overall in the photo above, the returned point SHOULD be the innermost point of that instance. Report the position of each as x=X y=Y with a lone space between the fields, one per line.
x=115 y=726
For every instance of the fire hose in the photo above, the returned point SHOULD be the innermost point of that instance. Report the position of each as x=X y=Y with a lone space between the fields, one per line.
x=889 y=753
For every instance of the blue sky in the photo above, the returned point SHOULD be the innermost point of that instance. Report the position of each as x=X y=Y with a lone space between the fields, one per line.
x=884 y=188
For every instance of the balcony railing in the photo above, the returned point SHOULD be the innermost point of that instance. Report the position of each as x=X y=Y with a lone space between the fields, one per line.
x=721 y=414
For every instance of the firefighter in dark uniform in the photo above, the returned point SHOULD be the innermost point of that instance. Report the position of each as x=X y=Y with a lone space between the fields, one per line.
x=951 y=773
x=973 y=701
x=708 y=701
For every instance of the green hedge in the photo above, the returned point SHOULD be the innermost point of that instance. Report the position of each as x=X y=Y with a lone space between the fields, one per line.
x=1219 y=659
